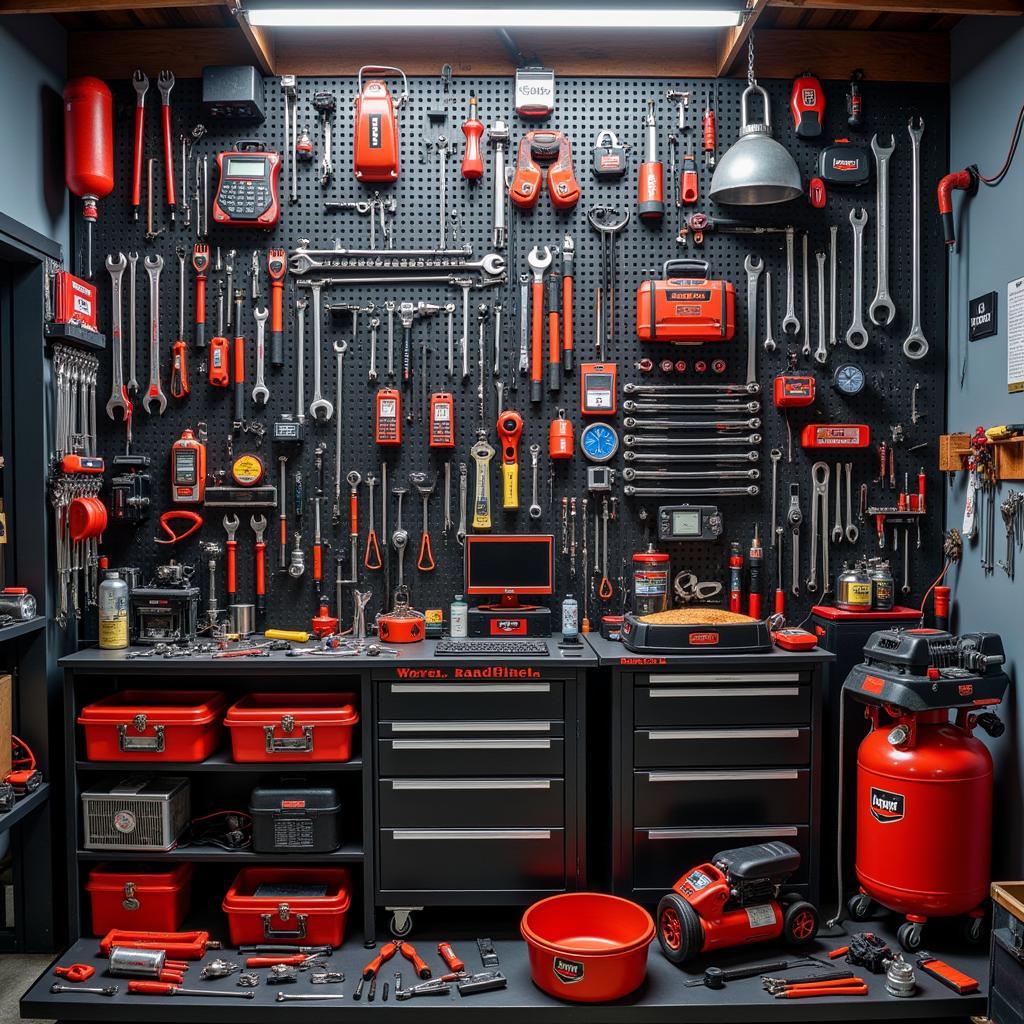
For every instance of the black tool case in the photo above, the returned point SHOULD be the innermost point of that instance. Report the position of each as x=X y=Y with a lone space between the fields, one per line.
x=295 y=817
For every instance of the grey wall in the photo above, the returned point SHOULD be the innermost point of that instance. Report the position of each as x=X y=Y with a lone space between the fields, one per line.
x=33 y=61
x=987 y=91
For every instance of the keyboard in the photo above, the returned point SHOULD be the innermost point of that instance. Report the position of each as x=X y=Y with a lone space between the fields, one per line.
x=492 y=648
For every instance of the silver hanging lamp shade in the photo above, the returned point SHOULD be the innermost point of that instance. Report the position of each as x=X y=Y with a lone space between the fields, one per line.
x=757 y=170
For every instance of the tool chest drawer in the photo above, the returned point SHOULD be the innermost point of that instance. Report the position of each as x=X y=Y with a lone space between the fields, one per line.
x=760 y=796
x=453 y=699
x=725 y=748
x=726 y=699
x=468 y=859
x=661 y=855
x=471 y=803
x=471 y=748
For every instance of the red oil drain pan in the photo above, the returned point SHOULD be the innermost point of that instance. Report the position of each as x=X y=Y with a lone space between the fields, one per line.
x=587 y=947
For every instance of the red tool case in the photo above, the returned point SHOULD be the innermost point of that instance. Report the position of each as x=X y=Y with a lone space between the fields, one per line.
x=141 y=897
x=289 y=727
x=686 y=306
x=296 y=906
x=153 y=725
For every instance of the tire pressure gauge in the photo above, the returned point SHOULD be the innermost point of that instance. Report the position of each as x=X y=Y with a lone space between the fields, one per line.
x=599 y=442
x=848 y=379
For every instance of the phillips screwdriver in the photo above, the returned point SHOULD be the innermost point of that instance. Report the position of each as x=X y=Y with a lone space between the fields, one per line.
x=162 y=988
x=473 y=129
x=652 y=174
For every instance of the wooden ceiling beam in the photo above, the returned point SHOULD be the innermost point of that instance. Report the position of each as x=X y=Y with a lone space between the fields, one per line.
x=259 y=39
x=116 y=54
x=962 y=7
x=96 y=6
x=733 y=40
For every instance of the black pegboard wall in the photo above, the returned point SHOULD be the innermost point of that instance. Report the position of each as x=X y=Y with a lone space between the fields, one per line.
x=584 y=107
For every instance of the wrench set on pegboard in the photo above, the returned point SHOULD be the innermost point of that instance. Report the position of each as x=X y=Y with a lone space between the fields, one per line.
x=377 y=354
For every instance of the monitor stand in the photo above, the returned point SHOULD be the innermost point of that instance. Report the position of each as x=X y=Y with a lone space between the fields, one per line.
x=509 y=618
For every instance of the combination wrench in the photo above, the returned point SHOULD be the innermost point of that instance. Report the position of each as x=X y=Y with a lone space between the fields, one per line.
x=769 y=336
x=460 y=533
x=833 y=299
x=371 y=374
x=806 y=349
x=852 y=532
x=915 y=345
x=775 y=455
x=340 y=348
x=535 y=509
x=118 y=393
x=856 y=333
x=154 y=264
x=819 y=516
x=260 y=391
x=837 y=525
x=882 y=304
x=389 y=308
x=133 y=382
x=753 y=276
x=300 y=350
x=821 y=352
x=320 y=409
x=790 y=323
x=449 y=312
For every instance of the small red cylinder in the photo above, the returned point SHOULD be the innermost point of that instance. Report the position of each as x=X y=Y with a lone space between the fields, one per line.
x=88 y=138
x=560 y=439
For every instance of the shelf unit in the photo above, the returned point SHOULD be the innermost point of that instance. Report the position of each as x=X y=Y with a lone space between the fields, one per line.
x=25 y=806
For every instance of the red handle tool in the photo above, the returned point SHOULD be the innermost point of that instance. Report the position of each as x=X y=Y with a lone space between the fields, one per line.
x=231 y=546
x=179 y=370
x=387 y=951
x=165 y=82
x=276 y=267
x=182 y=945
x=294 y=960
x=554 y=335
x=75 y=972
x=261 y=576
x=688 y=188
x=447 y=954
x=418 y=965
x=200 y=264
x=239 y=375
x=568 y=256
x=141 y=83
x=536 y=339
x=160 y=988
x=473 y=129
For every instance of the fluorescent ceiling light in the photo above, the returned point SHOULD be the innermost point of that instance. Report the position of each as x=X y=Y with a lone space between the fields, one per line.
x=403 y=17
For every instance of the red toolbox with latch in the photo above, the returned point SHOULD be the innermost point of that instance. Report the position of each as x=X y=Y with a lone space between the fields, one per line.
x=295 y=906
x=138 y=897
x=289 y=727
x=153 y=725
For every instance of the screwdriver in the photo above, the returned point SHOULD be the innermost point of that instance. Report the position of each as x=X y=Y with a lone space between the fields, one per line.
x=162 y=988
x=710 y=129
x=652 y=174
x=756 y=558
x=473 y=129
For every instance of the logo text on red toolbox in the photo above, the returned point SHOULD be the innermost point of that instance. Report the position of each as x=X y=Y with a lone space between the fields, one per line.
x=490 y=672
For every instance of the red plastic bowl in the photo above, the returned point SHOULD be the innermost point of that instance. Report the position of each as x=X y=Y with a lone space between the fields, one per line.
x=587 y=947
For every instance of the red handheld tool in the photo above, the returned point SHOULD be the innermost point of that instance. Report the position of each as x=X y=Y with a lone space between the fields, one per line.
x=962 y=984
x=239 y=350
x=75 y=972
x=756 y=557
x=180 y=386
x=709 y=133
x=180 y=945
x=165 y=83
x=447 y=954
x=554 y=334
x=141 y=84
x=563 y=188
x=200 y=264
x=161 y=988
x=473 y=129
x=419 y=966
x=387 y=951
x=568 y=259
x=259 y=526
x=217 y=372
x=231 y=546
x=689 y=190
x=376 y=150
x=651 y=204
x=276 y=268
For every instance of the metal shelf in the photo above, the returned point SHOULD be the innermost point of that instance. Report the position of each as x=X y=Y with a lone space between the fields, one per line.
x=17 y=629
x=350 y=853
x=25 y=806
x=220 y=762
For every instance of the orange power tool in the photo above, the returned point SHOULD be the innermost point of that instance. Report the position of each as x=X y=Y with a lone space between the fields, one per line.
x=510 y=429
x=562 y=185
x=651 y=203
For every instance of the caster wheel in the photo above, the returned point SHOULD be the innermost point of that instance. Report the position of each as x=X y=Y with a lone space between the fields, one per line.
x=679 y=929
x=401 y=925
x=909 y=936
x=800 y=923
x=972 y=930
x=859 y=907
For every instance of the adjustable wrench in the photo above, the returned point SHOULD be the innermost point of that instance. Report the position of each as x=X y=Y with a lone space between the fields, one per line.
x=819 y=515
x=769 y=312
x=806 y=349
x=154 y=264
x=837 y=525
x=833 y=269
x=821 y=352
x=260 y=393
x=320 y=409
x=856 y=333
x=300 y=350
x=538 y=264
x=882 y=303
x=852 y=532
x=535 y=509
x=794 y=519
x=790 y=323
x=915 y=345
x=118 y=393
x=753 y=270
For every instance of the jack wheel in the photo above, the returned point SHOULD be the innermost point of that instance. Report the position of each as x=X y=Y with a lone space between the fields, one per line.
x=679 y=929
x=859 y=907
x=800 y=923
x=909 y=936
x=972 y=930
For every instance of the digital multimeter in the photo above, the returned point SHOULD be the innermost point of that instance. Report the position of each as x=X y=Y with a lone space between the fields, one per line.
x=247 y=191
x=689 y=522
x=188 y=469
x=598 y=396
x=388 y=417
x=442 y=416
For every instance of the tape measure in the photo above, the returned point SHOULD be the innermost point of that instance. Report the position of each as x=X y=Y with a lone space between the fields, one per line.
x=247 y=471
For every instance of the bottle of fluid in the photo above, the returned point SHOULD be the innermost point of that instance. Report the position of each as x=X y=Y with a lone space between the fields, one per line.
x=570 y=618
x=459 y=618
x=113 y=612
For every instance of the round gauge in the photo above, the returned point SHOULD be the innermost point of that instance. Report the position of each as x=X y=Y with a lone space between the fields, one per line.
x=599 y=442
x=848 y=379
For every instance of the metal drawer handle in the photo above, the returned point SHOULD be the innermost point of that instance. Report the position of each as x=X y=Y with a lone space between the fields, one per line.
x=725 y=833
x=724 y=677
x=471 y=727
x=288 y=744
x=725 y=691
x=480 y=688
x=482 y=744
x=283 y=913
x=722 y=734
x=429 y=785
x=140 y=744
x=767 y=776
x=540 y=834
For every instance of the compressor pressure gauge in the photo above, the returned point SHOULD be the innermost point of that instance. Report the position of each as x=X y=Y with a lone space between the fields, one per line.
x=848 y=379
x=599 y=442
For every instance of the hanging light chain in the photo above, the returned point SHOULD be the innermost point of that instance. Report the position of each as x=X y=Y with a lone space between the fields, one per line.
x=750 y=59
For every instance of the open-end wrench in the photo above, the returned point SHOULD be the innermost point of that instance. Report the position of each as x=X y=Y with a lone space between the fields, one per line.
x=260 y=392
x=165 y=83
x=856 y=333
x=371 y=373
x=769 y=312
x=118 y=394
x=535 y=509
x=821 y=352
x=775 y=455
x=340 y=348
x=300 y=355
x=109 y=990
x=320 y=409
x=753 y=270
x=852 y=532
x=133 y=382
x=794 y=520
x=819 y=517
x=154 y=264
x=882 y=310
x=915 y=345
x=833 y=269
x=790 y=323
x=389 y=308
x=538 y=264
x=806 y=349
x=837 y=525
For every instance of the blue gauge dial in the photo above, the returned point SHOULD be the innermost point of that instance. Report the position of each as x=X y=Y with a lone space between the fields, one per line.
x=599 y=442
x=848 y=379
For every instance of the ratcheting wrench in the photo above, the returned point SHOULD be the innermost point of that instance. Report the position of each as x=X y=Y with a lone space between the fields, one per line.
x=790 y=324
x=118 y=393
x=538 y=264
x=837 y=526
x=260 y=393
x=769 y=312
x=915 y=345
x=320 y=409
x=882 y=310
x=819 y=515
x=821 y=352
x=154 y=264
x=753 y=276
x=856 y=333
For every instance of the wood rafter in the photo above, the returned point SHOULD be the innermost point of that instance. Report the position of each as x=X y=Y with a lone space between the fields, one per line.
x=734 y=39
x=939 y=7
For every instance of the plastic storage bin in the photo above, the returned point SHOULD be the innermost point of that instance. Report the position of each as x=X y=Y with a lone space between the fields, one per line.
x=292 y=727
x=153 y=725
x=294 y=906
x=295 y=818
x=138 y=897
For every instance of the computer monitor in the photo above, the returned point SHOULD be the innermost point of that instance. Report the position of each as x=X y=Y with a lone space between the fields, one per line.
x=510 y=566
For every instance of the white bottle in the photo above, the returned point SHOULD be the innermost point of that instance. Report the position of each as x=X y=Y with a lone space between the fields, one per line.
x=459 y=618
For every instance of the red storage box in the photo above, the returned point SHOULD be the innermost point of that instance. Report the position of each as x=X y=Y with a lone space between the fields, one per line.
x=287 y=727
x=295 y=906
x=138 y=897
x=153 y=725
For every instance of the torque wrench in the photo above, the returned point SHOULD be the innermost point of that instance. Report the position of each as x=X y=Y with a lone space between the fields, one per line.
x=790 y=323
x=353 y=479
x=118 y=393
x=535 y=509
x=882 y=310
x=753 y=266
x=915 y=345
x=856 y=333
x=260 y=392
x=155 y=391
x=821 y=352
x=320 y=409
